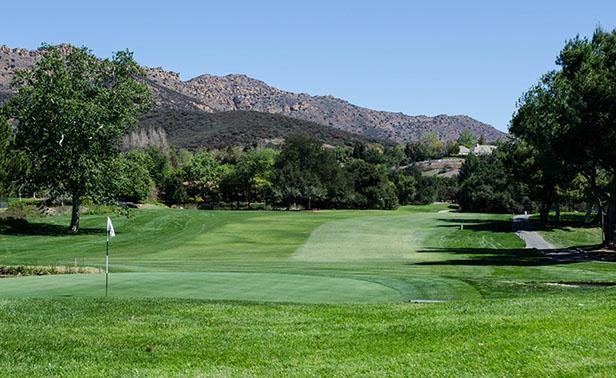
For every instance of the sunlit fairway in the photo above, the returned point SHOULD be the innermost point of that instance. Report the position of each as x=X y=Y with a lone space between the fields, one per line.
x=307 y=293
x=415 y=253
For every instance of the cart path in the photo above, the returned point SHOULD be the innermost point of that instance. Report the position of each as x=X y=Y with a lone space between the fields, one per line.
x=523 y=228
x=533 y=239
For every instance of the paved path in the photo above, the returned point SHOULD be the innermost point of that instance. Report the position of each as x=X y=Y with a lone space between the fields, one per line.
x=523 y=229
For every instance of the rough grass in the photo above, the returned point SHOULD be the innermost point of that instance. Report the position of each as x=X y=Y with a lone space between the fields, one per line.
x=571 y=231
x=555 y=335
x=570 y=236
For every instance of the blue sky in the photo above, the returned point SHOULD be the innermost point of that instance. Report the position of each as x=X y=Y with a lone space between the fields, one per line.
x=417 y=57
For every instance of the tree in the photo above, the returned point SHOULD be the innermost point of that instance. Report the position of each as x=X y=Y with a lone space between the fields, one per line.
x=373 y=190
x=578 y=101
x=467 y=139
x=254 y=173
x=533 y=158
x=299 y=168
x=130 y=176
x=452 y=148
x=72 y=110
x=203 y=174
x=405 y=187
x=429 y=146
x=485 y=185
x=160 y=167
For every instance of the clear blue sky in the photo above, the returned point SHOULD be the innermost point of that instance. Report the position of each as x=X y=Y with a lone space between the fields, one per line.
x=417 y=57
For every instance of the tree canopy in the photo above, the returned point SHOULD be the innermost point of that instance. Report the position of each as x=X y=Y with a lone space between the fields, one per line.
x=72 y=110
x=569 y=119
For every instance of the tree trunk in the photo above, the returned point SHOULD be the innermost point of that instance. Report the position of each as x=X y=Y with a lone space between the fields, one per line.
x=557 y=211
x=610 y=224
x=75 y=215
x=545 y=212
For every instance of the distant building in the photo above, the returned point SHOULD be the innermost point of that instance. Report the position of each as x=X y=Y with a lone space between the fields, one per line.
x=464 y=151
x=483 y=149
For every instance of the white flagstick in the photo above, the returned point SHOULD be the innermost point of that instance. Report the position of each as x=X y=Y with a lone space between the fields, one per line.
x=107 y=266
x=110 y=234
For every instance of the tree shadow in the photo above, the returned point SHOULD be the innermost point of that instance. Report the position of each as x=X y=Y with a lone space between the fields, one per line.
x=490 y=256
x=21 y=227
x=562 y=225
x=492 y=225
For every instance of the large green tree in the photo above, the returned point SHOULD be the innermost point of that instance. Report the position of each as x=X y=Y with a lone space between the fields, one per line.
x=304 y=171
x=486 y=185
x=573 y=111
x=203 y=174
x=71 y=111
x=253 y=173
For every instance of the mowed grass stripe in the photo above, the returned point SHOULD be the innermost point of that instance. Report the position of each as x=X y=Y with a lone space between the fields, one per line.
x=401 y=237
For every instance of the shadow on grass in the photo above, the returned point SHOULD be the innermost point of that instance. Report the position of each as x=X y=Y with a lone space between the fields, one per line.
x=563 y=225
x=489 y=256
x=491 y=225
x=21 y=227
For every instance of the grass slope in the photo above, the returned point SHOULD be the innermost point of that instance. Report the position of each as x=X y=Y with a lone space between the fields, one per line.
x=147 y=337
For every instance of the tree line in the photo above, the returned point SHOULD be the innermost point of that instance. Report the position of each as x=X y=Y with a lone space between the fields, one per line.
x=60 y=133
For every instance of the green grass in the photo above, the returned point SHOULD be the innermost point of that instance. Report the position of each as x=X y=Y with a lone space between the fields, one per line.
x=260 y=287
x=157 y=337
x=573 y=236
x=415 y=253
x=301 y=293
x=571 y=231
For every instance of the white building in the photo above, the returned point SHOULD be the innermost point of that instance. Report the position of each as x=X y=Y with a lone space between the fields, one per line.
x=483 y=149
x=464 y=151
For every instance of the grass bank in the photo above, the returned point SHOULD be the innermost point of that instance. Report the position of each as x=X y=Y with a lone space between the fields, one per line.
x=555 y=335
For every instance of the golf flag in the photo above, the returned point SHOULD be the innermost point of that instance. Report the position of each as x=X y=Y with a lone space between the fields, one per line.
x=110 y=234
x=110 y=230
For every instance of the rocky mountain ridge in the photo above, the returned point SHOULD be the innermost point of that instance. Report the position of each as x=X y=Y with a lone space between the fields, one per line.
x=235 y=92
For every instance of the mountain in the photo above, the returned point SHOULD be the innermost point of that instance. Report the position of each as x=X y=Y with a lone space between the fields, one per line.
x=217 y=94
x=239 y=92
x=195 y=128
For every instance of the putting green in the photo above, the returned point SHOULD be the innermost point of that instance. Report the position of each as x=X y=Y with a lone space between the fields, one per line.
x=258 y=287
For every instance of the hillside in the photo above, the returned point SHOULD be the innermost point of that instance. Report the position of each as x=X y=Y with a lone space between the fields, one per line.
x=239 y=92
x=194 y=128
x=215 y=94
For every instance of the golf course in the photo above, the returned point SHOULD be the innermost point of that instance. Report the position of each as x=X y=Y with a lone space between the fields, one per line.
x=423 y=290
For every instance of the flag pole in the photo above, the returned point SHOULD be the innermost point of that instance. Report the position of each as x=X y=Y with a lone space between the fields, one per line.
x=107 y=265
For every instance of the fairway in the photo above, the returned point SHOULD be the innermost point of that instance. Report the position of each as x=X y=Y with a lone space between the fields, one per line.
x=415 y=253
